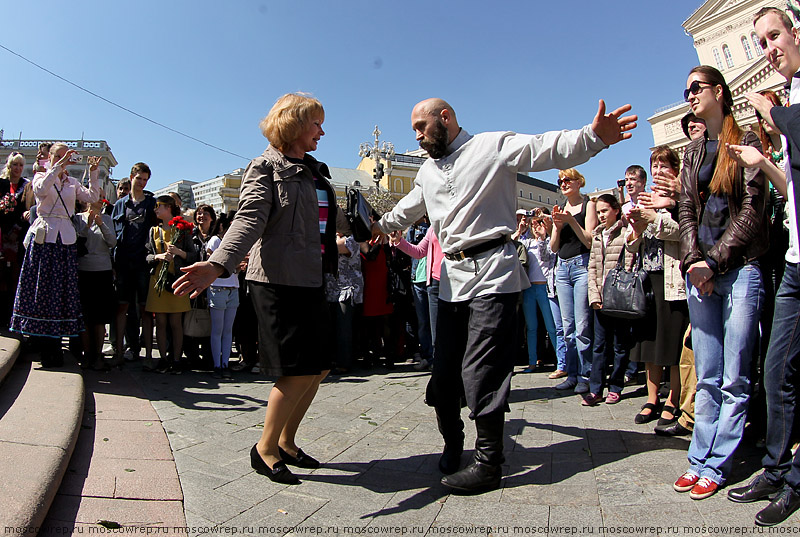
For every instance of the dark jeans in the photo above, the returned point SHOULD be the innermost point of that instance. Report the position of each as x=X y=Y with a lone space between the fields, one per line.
x=780 y=370
x=433 y=311
x=611 y=343
x=423 y=319
x=474 y=354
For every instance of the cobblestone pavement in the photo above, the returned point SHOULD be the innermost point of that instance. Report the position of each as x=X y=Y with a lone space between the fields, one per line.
x=588 y=471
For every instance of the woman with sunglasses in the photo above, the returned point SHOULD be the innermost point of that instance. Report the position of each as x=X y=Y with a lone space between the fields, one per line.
x=571 y=240
x=16 y=197
x=723 y=232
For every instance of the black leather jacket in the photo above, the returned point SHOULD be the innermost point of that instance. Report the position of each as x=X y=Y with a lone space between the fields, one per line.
x=747 y=235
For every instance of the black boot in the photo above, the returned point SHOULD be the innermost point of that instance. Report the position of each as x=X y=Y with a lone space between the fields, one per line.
x=452 y=428
x=485 y=472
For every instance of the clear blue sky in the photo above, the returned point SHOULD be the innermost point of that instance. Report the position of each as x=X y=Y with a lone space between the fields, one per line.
x=213 y=70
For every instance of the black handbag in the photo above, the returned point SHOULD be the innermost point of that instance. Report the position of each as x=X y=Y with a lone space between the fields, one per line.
x=358 y=212
x=627 y=293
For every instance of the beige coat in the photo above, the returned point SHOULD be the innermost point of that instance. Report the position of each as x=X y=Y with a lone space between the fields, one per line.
x=603 y=258
x=666 y=229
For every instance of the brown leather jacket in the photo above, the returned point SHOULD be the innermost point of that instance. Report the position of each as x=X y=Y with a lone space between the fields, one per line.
x=746 y=237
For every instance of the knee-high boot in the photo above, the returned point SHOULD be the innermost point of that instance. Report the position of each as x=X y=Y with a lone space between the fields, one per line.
x=451 y=426
x=485 y=472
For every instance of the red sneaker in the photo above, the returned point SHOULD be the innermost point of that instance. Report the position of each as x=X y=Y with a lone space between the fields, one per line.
x=686 y=482
x=703 y=489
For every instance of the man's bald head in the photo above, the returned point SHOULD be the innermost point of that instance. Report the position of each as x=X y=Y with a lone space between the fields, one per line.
x=435 y=125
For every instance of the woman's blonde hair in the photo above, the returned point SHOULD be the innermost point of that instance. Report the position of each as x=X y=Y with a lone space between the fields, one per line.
x=56 y=146
x=12 y=158
x=574 y=175
x=288 y=117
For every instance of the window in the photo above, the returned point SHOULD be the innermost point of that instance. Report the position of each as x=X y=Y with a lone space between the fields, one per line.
x=548 y=199
x=756 y=44
x=718 y=60
x=746 y=46
x=726 y=51
x=530 y=195
x=540 y=197
x=520 y=194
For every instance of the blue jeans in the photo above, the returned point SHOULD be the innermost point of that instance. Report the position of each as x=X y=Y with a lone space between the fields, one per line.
x=561 y=346
x=423 y=319
x=222 y=304
x=612 y=337
x=780 y=366
x=535 y=295
x=572 y=285
x=724 y=332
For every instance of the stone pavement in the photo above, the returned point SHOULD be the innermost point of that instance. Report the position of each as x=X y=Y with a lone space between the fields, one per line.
x=588 y=471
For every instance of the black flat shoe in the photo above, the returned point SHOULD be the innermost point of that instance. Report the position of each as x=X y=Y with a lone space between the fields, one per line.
x=279 y=473
x=646 y=418
x=301 y=461
x=663 y=422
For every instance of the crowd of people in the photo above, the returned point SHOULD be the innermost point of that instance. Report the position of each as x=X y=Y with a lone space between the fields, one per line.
x=452 y=281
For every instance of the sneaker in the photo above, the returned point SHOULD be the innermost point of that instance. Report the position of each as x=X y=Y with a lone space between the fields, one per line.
x=703 y=489
x=592 y=399
x=567 y=384
x=686 y=482
x=423 y=364
x=582 y=387
x=557 y=374
x=613 y=398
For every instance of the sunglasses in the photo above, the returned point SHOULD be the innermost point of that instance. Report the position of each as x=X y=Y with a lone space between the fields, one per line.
x=562 y=180
x=695 y=88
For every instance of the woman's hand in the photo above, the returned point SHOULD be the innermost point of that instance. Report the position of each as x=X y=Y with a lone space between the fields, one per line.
x=539 y=230
x=642 y=214
x=64 y=162
x=166 y=256
x=94 y=162
x=746 y=156
x=666 y=184
x=196 y=278
x=561 y=218
x=653 y=200
x=395 y=237
x=699 y=274
x=175 y=251
x=597 y=305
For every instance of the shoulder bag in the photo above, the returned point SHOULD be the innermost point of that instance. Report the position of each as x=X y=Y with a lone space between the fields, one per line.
x=358 y=212
x=197 y=321
x=627 y=293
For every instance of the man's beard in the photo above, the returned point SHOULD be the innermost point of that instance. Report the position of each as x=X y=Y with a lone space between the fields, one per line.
x=436 y=145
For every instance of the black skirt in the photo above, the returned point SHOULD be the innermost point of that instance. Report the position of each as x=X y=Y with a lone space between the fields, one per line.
x=658 y=338
x=294 y=329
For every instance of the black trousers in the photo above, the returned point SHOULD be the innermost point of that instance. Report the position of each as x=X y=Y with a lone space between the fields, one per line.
x=476 y=340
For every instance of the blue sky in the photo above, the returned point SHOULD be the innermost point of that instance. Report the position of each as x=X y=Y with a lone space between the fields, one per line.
x=213 y=70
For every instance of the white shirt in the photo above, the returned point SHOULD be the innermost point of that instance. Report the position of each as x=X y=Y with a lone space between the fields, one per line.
x=470 y=198
x=54 y=216
x=792 y=254
x=232 y=280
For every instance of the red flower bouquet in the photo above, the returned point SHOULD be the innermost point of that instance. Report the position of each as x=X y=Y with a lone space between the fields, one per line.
x=179 y=227
x=8 y=203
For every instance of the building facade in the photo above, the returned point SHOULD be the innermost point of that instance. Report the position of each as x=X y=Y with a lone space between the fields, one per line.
x=184 y=190
x=221 y=192
x=86 y=148
x=723 y=36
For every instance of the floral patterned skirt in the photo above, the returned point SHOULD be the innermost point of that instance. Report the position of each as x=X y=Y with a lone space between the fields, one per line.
x=47 y=301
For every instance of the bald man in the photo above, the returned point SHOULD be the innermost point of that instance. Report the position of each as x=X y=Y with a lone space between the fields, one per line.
x=468 y=188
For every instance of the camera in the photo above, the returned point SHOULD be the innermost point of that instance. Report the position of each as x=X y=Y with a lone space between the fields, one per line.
x=535 y=213
x=75 y=158
x=621 y=182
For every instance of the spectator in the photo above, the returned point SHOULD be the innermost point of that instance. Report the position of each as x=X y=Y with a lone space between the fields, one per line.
x=96 y=282
x=659 y=336
x=133 y=216
x=345 y=292
x=223 y=301
x=198 y=349
x=723 y=231
x=571 y=240
x=611 y=334
x=47 y=305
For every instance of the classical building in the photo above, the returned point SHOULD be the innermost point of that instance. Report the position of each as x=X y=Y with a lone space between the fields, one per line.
x=221 y=192
x=86 y=148
x=723 y=36
x=184 y=190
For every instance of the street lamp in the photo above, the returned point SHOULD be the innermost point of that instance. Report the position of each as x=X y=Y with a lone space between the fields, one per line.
x=376 y=151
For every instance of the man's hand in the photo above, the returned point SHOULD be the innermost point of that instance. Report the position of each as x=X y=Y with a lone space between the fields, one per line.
x=196 y=277
x=763 y=106
x=700 y=274
x=610 y=127
x=378 y=236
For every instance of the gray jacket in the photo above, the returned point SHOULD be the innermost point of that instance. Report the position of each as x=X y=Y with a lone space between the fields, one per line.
x=277 y=221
